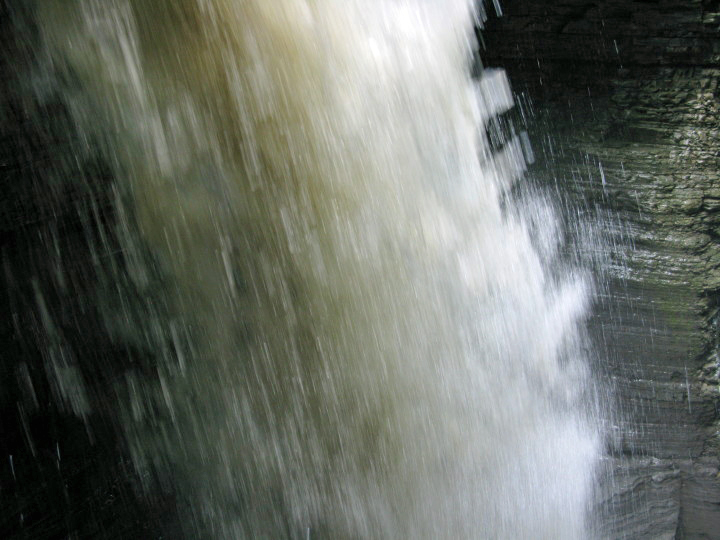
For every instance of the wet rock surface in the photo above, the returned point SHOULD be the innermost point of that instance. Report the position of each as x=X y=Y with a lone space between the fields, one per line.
x=64 y=472
x=625 y=117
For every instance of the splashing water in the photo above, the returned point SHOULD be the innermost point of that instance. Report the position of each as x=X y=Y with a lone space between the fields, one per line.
x=353 y=338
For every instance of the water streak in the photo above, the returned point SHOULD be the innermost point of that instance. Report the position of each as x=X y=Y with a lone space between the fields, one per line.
x=352 y=336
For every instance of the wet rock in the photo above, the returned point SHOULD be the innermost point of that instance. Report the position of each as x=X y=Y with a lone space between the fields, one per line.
x=626 y=102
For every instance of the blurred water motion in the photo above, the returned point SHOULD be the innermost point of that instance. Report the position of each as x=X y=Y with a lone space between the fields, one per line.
x=355 y=331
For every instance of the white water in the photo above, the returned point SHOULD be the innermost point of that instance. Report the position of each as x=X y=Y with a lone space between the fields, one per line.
x=353 y=337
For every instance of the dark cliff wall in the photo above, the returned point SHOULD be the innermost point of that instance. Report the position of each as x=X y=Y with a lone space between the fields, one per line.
x=627 y=117
x=63 y=470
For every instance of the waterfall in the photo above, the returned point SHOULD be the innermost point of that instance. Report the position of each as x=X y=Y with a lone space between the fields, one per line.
x=355 y=330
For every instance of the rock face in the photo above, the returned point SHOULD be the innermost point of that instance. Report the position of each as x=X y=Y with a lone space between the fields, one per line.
x=626 y=119
x=63 y=470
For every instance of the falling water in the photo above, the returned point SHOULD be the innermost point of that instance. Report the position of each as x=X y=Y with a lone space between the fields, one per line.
x=356 y=332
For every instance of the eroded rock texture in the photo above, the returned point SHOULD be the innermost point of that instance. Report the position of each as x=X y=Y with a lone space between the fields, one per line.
x=626 y=117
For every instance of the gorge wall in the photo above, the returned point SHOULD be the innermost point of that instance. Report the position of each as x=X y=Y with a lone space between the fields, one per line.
x=627 y=114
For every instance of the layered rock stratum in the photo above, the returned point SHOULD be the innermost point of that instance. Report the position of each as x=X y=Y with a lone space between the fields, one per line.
x=626 y=109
